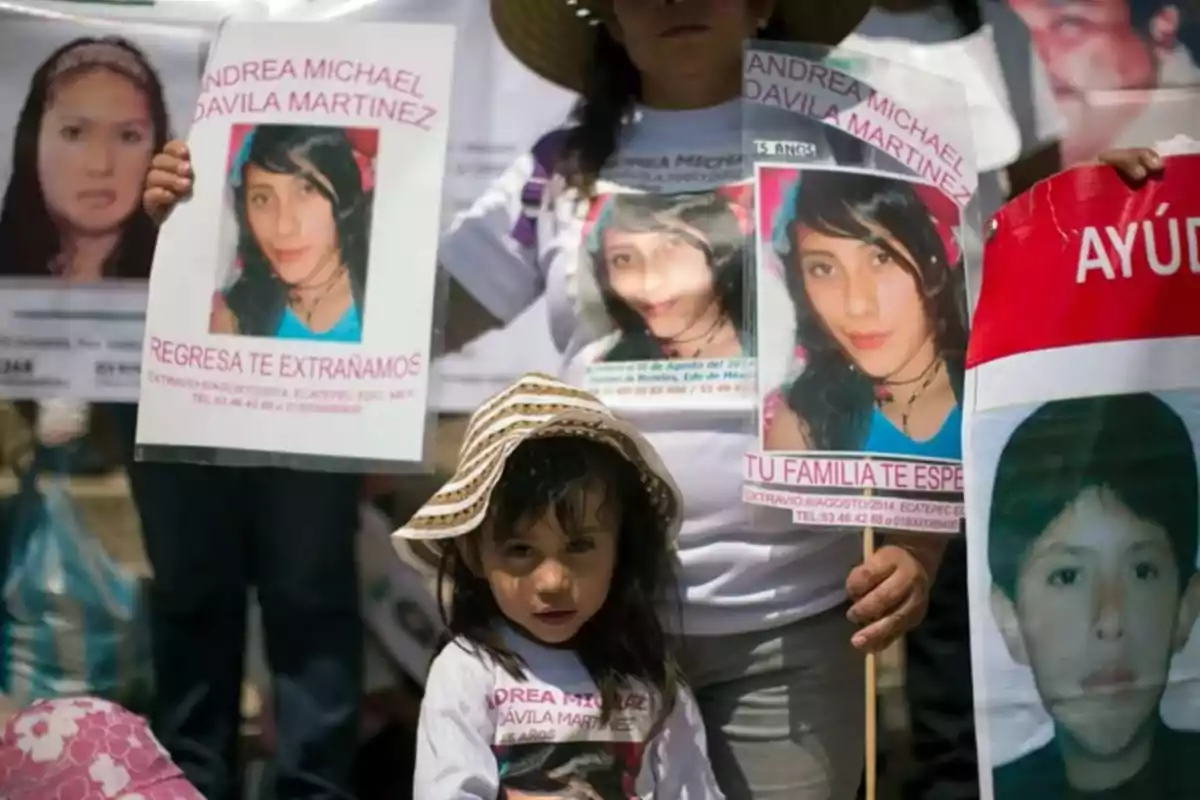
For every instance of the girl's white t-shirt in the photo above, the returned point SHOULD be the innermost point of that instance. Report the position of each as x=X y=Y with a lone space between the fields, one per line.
x=482 y=730
x=742 y=567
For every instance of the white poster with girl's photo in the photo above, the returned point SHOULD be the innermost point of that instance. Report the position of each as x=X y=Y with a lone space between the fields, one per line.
x=293 y=292
x=861 y=315
x=1082 y=441
x=83 y=109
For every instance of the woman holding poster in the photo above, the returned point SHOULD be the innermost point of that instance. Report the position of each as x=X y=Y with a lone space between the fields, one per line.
x=773 y=646
x=876 y=280
x=302 y=199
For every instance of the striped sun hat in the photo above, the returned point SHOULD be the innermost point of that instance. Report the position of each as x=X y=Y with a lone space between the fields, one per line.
x=536 y=406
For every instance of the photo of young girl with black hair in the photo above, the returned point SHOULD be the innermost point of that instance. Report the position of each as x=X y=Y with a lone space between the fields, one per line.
x=876 y=280
x=1090 y=597
x=302 y=199
x=671 y=272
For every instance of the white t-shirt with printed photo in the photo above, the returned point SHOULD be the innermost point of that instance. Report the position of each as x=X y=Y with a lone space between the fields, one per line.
x=485 y=734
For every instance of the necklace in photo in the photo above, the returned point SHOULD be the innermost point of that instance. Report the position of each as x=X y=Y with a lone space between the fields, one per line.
x=883 y=393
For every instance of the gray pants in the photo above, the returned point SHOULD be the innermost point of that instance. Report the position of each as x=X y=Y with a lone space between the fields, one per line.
x=783 y=709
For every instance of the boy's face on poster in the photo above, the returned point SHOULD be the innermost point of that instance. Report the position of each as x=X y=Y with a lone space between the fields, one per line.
x=1092 y=44
x=548 y=578
x=867 y=300
x=94 y=148
x=292 y=221
x=1098 y=616
x=664 y=275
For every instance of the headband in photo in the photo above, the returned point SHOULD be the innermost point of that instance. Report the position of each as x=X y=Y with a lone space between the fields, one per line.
x=363 y=150
x=107 y=54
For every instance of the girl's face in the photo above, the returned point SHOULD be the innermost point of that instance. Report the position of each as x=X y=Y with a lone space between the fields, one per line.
x=698 y=39
x=664 y=275
x=1099 y=614
x=94 y=149
x=292 y=221
x=866 y=299
x=551 y=581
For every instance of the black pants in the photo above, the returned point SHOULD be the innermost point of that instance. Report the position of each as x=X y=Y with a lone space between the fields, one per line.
x=210 y=534
x=939 y=690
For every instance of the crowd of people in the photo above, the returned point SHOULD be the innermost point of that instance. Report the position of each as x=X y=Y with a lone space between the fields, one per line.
x=555 y=549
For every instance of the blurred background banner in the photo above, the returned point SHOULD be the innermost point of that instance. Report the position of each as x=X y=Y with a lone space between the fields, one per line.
x=1125 y=73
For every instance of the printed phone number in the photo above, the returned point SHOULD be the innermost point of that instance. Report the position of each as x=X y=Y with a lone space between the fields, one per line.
x=700 y=388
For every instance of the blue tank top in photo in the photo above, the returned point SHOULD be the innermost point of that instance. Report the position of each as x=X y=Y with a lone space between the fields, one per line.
x=346 y=329
x=885 y=437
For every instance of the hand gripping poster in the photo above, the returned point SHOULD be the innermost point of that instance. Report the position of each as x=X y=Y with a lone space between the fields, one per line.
x=863 y=178
x=292 y=296
x=83 y=108
x=1081 y=442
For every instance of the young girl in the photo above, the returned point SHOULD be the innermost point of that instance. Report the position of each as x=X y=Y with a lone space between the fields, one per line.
x=554 y=548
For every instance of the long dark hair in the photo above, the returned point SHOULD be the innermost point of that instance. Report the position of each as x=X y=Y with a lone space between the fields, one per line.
x=723 y=247
x=258 y=297
x=612 y=87
x=30 y=241
x=625 y=641
x=834 y=399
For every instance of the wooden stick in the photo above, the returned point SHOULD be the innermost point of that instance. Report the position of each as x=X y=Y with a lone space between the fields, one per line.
x=872 y=751
x=871 y=760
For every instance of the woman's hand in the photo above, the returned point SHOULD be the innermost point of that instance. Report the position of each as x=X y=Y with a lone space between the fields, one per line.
x=168 y=182
x=890 y=591
x=1134 y=163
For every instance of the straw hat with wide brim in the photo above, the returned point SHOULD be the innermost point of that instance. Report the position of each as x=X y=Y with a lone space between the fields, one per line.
x=555 y=38
x=535 y=406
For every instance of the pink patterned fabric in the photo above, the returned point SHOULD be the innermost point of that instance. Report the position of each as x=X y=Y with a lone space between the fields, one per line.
x=85 y=749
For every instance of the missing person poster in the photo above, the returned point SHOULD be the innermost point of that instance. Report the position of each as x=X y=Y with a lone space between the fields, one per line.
x=861 y=319
x=83 y=108
x=1082 y=441
x=1125 y=73
x=293 y=293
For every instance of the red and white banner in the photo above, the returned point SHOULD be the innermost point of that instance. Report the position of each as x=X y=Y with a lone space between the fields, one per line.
x=1081 y=444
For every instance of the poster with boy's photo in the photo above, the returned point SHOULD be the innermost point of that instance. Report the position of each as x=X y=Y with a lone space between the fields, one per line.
x=1124 y=72
x=83 y=108
x=1083 y=491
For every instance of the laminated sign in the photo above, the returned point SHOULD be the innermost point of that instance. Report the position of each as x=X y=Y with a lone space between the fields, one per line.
x=292 y=296
x=1081 y=445
x=862 y=177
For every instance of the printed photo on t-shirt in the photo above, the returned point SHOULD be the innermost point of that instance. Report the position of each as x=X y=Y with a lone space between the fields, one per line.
x=582 y=770
x=668 y=275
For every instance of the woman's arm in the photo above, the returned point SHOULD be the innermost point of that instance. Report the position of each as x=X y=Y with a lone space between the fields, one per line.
x=786 y=432
x=466 y=319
